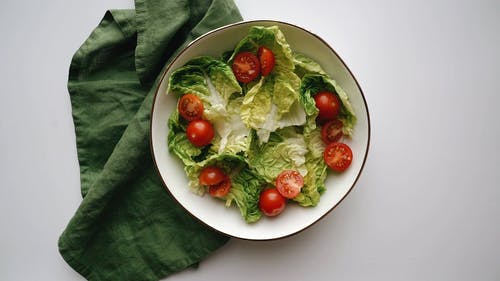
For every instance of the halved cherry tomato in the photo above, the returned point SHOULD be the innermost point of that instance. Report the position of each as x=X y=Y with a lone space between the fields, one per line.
x=328 y=105
x=338 y=156
x=200 y=132
x=221 y=189
x=271 y=202
x=289 y=183
x=211 y=175
x=332 y=131
x=190 y=107
x=266 y=59
x=246 y=67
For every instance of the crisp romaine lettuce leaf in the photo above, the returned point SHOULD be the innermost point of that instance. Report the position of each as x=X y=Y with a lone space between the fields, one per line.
x=285 y=150
x=178 y=142
x=270 y=37
x=314 y=181
x=246 y=184
x=210 y=78
x=273 y=103
x=214 y=82
x=234 y=135
x=314 y=83
x=229 y=163
x=245 y=193
x=286 y=90
x=305 y=65
x=256 y=104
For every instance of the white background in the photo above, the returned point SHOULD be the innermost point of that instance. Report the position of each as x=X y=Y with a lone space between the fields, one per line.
x=425 y=208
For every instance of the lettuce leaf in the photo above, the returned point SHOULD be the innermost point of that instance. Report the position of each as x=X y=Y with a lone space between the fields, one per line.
x=314 y=83
x=314 y=181
x=305 y=65
x=178 y=142
x=246 y=184
x=213 y=81
x=285 y=150
x=270 y=37
x=245 y=193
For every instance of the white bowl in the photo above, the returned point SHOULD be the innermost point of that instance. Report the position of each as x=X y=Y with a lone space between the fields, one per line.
x=212 y=212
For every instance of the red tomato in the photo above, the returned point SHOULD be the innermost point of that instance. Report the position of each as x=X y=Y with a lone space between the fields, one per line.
x=332 y=131
x=190 y=107
x=328 y=105
x=246 y=67
x=271 y=202
x=200 y=132
x=266 y=59
x=211 y=175
x=289 y=183
x=338 y=156
x=221 y=189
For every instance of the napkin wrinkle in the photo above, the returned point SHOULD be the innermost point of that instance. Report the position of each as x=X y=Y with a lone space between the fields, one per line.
x=126 y=21
x=97 y=76
x=211 y=21
x=157 y=43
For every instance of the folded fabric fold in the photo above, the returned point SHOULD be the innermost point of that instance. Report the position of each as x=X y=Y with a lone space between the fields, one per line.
x=127 y=226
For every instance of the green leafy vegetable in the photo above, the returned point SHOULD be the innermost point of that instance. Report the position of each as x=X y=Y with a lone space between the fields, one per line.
x=262 y=127
x=314 y=83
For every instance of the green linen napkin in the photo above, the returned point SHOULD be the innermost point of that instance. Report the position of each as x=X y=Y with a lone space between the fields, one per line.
x=127 y=226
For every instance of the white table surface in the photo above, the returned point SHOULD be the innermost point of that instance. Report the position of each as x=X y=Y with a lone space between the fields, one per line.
x=425 y=208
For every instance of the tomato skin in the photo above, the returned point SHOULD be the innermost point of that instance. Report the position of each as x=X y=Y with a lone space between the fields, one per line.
x=246 y=67
x=338 y=156
x=328 y=105
x=271 y=202
x=289 y=183
x=211 y=175
x=221 y=189
x=190 y=107
x=200 y=132
x=332 y=131
x=266 y=59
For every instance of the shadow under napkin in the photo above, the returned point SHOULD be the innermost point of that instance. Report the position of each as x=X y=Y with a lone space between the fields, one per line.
x=127 y=226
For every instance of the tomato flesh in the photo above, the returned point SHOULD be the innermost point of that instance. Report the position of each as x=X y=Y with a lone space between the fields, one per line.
x=271 y=202
x=200 y=132
x=328 y=105
x=246 y=67
x=289 y=183
x=266 y=59
x=332 y=131
x=221 y=189
x=338 y=156
x=190 y=107
x=211 y=175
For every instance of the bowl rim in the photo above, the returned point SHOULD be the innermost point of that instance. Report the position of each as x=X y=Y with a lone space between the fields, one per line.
x=246 y=22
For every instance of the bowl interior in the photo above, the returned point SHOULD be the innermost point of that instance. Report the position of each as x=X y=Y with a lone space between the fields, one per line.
x=212 y=211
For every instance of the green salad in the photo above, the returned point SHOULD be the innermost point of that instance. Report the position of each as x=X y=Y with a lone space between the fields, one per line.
x=256 y=127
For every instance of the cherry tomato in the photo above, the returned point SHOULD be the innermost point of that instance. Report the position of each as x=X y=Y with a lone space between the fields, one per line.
x=271 y=202
x=221 y=189
x=211 y=175
x=289 y=183
x=200 y=132
x=246 y=67
x=190 y=107
x=266 y=59
x=338 y=156
x=328 y=105
x=332 y=131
